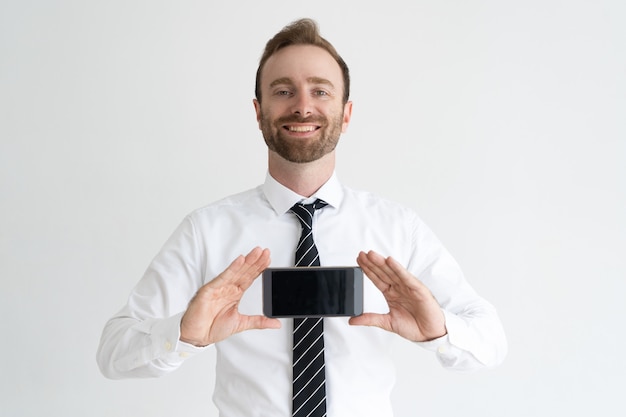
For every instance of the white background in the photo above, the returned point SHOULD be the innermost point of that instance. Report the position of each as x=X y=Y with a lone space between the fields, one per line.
x=501 y=122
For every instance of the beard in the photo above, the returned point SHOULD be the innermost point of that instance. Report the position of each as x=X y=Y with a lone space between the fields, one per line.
x=301 y=150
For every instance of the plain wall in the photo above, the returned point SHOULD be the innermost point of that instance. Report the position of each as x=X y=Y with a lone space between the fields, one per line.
x=501 y=123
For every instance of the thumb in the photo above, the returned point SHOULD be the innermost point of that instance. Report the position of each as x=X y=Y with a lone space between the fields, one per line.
x=260 y=322
x=370 y=319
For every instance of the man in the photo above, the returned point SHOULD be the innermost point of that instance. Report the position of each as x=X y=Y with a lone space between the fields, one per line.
x=200 y=291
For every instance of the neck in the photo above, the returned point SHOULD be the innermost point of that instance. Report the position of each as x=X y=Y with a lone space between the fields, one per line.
x=304 y=179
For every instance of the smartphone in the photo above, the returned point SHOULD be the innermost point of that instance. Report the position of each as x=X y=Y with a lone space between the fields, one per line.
x=313 y=292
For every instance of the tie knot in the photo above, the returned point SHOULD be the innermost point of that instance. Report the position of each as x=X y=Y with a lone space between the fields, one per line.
x=304 y=212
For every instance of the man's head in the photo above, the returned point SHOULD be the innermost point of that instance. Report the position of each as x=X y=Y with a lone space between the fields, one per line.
x=301 y=103
x=301 y=32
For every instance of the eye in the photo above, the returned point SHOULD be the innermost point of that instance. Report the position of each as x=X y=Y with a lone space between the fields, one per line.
x=321 y=93
x=284 y=93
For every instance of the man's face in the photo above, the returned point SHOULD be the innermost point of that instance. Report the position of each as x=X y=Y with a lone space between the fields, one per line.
x=302 y=114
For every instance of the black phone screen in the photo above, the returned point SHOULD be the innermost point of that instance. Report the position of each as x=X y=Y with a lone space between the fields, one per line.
x=313 y=291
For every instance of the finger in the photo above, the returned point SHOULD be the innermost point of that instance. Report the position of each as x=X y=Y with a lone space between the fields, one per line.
x=393 y=272
x=255 y=262
x=371 y=262
x=384 y=269
x=259 y=322
x=370 y=272
x=398 y=269
x=372 y=320
x=245 y=268
x=404 y=276
x=231 y=270
x=374 y=267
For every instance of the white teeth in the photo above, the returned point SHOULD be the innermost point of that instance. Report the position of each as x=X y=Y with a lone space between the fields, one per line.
x=301 y=128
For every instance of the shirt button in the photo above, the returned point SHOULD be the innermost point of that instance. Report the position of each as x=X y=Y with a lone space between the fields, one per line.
x=184 y=355
x=441 y=350
x=168 y=346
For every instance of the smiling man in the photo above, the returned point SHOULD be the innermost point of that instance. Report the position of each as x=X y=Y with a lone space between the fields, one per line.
x=303 y=111
x=201 y=291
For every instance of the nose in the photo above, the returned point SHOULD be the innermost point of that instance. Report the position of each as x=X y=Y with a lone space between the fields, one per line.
x=302 y=105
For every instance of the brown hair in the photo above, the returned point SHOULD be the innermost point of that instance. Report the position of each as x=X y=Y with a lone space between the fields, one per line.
x=301 y=32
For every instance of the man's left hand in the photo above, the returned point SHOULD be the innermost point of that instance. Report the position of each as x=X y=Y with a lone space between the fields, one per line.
x=413 y=311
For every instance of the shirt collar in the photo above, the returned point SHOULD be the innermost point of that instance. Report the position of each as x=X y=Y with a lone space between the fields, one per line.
x=282 y=198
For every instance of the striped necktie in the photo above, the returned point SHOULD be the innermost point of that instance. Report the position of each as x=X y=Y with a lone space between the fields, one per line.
x=309 y=378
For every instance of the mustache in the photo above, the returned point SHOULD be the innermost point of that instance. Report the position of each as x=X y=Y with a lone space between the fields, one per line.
x=295 y=118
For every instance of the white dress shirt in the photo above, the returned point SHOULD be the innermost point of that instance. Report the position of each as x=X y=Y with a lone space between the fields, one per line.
x=253 y=373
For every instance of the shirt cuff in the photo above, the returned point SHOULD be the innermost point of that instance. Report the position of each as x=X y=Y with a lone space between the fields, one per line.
x=447 y=352
x=165 y=336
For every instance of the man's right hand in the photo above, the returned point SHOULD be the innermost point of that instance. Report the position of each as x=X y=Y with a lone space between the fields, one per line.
x=213 y=313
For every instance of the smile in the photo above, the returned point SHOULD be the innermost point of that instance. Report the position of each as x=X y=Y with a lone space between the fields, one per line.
x=301 y=129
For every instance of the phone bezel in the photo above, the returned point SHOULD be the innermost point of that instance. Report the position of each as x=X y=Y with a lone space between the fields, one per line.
x=354 y=276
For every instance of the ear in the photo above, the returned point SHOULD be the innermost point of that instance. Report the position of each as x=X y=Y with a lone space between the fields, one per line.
x=257 y=109
x=347 y=115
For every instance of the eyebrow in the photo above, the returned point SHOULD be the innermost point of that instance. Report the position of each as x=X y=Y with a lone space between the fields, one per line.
x=312 y=80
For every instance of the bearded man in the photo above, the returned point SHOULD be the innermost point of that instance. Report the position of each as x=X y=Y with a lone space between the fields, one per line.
x=201 y=290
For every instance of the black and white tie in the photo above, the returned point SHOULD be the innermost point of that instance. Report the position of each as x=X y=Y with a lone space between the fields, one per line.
x=309 y=378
